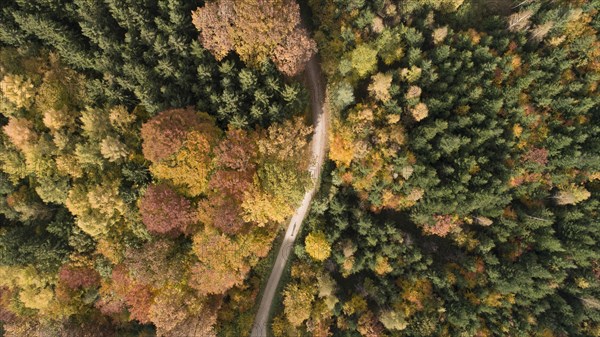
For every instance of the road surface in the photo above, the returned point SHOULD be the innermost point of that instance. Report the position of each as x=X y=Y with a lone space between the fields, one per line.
x=318 y=149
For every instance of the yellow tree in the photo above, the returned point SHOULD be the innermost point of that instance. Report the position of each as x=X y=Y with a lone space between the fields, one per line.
x=341 y=150
x=189 y=168
x=317 y=246
x=297 y=301
x=281 y=176
x=221 y=264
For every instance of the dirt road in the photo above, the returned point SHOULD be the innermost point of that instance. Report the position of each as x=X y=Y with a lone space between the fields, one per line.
x=318 y=150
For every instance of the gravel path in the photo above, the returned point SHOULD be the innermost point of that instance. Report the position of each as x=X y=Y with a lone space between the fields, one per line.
x=318 y=149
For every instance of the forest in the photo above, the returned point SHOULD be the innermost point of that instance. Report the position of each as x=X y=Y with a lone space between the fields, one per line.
x=152 y=154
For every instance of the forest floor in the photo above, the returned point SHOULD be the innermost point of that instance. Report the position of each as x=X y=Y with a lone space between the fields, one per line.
x=318 y=151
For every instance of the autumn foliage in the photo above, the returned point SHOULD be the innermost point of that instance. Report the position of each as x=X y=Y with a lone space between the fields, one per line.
x=78 y=277
x=166 y=133
x=256 y=30
x=165 y=212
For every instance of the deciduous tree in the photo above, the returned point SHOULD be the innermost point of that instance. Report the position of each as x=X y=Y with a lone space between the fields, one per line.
x=165 y=212
x=317 y=246
x=166 y=133
x=242 y=26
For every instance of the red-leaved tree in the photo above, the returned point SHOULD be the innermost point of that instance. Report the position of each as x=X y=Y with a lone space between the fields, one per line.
x=235 y=168
x=78 y=277
x=166 y=212
x=164 y=134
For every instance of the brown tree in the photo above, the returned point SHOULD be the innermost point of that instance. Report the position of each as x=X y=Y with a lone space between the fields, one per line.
x=165 y=212
x=221 y=211
x=235 y=168
x=78 y=277
x=165 y=134
x=256 y=30
x=21 y=133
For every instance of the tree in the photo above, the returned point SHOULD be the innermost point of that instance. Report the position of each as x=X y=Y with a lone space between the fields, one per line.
x=317 y=246
x=368 y=325
x=572 y=195
x=21 y=133
x=169 y=310
x=297 y=301
x=292 y=55
x=285 y=141
x=221 y=211
x=214 y=21
x=380 y=86
x=165 y=212
x=364 y=60
x=112 y=149
x=392 y=320
x=96 y=207
x=419 y=112
x=78 y=277
x=18 y=90
x=341 y=149
x=282 y=174
x=166 y=133
x=237 y=151
x=221 y=264
x=262 y=208
x=227 y=25
x=188 y=169
x=235 y=167
x=343 y=95
x=520 y=20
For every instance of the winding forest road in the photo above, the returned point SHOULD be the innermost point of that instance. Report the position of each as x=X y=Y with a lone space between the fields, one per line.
x=318 y=149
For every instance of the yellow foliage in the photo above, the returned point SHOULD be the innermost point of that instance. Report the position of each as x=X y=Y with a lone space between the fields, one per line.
x=572 y=194
x=285 y=141
x=187 y=169
x=113 y=149
x=347 y=266
x=380 y=86
x=439 y=34
x=68 y=164
x=393 y=119
x=582 y=283
x=56 y=119
x=493 y=299
x=594 y=176
x=474 y=35
x=415 y=292
x=110 y=250
x=357 y=304
x=105 y=198
x=298 y=302
x=317 y=246
x=510 y=298
x=341 y=150
x=262 y=208
x=120 y=118
x=35 y=291
x=516 y=62
x=96 y=206
x=470 y=296
x=419 y=112
x=382 y=266
x=517 y=130
x=17 y=90
x=36 y=298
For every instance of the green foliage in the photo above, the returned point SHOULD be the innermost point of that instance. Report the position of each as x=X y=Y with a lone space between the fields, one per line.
x=458 y=187
x=147 y=53
x=364 y=60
